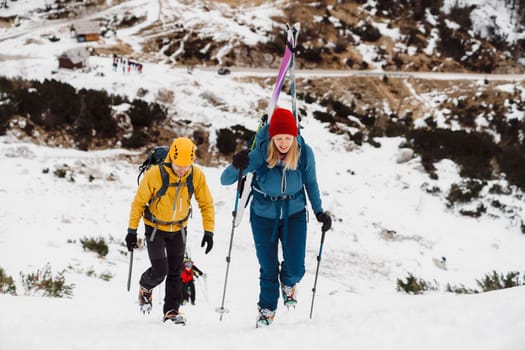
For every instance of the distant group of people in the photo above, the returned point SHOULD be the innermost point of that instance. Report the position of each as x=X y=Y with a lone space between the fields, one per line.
x=126 y=65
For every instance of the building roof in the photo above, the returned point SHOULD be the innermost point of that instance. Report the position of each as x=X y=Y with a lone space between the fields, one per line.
x=86 y=27
x=76 y=55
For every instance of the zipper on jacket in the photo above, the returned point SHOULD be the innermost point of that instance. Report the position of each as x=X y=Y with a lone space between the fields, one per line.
x=283 y=190
x=177 y=192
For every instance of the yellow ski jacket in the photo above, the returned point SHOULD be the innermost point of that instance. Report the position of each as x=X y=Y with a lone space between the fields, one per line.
x=167 y=208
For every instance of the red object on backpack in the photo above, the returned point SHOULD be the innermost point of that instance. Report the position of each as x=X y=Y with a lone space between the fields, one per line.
x=186 y=275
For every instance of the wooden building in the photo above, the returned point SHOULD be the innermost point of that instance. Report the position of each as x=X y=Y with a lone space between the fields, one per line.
x=86 y=31
x=73 y=58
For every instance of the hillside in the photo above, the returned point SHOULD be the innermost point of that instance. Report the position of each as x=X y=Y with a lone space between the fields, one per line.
x=457 y=36
x=199 y=35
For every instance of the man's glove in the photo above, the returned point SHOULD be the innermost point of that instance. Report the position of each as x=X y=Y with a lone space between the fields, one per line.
x=131 y=239
x=241 y=160
x=207 y=240
x=324 y=217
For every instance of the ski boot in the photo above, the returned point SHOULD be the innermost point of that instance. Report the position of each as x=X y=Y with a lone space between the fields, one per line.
x=264 y=318
x=176 y=317
x=288 y=294
x=145 y=299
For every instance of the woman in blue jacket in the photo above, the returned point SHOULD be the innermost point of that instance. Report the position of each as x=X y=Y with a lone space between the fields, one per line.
x=284 y=167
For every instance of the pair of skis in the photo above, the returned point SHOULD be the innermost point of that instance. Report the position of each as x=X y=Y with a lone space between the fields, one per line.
x=287 y=66
x=244 y=183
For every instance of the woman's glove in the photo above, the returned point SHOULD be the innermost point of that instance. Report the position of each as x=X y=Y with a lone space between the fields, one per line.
x=325 y=219
x=241 y=160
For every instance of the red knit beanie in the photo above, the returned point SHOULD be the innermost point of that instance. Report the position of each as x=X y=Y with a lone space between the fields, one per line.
x=282 y=122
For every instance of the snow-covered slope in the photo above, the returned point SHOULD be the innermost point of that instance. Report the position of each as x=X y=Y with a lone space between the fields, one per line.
x=356 y=302
x=386 y=226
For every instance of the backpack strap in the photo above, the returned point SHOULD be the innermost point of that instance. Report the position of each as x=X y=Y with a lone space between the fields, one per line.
x=162 y=191
x=166 y=182
x=148 y=215
x=303 y=161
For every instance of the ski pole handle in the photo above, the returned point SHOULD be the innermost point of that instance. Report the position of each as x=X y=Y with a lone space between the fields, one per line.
x=240 y=184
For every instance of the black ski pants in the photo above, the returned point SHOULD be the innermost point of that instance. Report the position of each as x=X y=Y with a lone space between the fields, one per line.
x=166 y=254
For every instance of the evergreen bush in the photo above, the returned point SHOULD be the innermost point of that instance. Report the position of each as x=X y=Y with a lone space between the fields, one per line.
x=242 y=133
x=495 y=281
x=143 y=114
x=97 y=245
x=414 y=285
x=367 y=32
x=95 y=114
x=226 y=141
x=461 y=289
x=324 y=117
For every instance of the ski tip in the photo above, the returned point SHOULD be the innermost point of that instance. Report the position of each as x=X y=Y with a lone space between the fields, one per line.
x=293 y=27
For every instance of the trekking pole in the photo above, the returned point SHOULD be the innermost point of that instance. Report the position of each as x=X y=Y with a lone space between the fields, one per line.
x=221 y=309
x=317 y=271
x=205 y=289
x=130 y=268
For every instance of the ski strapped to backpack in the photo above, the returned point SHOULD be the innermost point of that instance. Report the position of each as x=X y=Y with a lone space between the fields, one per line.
x=287 y=66
x=156 y=157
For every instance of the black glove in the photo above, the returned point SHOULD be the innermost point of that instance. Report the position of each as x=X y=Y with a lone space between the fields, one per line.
x=325 y=218
x=131 y=239
x=207 y=240
x=241 y=160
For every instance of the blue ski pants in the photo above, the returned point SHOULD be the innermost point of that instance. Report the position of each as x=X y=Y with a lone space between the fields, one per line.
x=293 y=244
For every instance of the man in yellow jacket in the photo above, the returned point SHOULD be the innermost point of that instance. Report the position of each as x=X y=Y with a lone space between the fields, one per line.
x=165 y=218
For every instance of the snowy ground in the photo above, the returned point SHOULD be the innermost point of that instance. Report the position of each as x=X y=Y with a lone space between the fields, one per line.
x=356 y=302
x=356 y=306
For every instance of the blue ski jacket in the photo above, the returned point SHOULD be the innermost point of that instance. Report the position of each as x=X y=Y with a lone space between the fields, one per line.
x=272 y=187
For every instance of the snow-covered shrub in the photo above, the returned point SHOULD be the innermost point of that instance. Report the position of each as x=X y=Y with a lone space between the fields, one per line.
x=414 y=285
x=494 y=281
x=471 y=150
x=64 y=172
x=461 y=289
x=42 y=282
x=465 y=191
x=367 y=32
x=7 y=284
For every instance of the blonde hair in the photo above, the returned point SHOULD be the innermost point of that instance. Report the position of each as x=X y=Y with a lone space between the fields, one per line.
x=290 y=161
